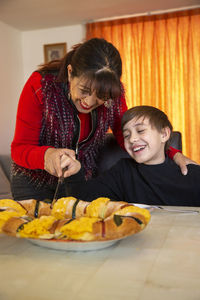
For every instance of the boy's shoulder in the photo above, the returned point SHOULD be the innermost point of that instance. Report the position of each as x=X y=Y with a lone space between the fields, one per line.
x=193 y=168
x=171 y=162
x=168 y=164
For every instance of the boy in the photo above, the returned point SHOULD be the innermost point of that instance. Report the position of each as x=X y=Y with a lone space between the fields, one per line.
x=148 y=176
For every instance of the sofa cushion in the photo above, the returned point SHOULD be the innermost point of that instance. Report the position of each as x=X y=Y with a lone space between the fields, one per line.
x=110 y=153
x=5 y=192
x=5 y=163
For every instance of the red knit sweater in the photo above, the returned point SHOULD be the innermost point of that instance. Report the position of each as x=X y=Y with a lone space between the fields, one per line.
x=25 y=149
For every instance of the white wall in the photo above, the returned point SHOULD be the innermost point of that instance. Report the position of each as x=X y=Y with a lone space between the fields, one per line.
x=20 y=54
x=33 y=41
x=11 y=82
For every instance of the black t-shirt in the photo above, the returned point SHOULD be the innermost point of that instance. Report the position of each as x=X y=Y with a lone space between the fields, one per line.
x=161 y=184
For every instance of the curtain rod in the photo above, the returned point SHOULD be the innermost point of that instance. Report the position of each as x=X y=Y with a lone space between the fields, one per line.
x=148 y=13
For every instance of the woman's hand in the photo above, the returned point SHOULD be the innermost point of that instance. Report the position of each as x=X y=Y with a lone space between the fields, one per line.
x=54 y=161
x=70 y=164
x=182 y=161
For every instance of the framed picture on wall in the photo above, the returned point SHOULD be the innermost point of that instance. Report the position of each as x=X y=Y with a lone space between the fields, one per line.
x=54 y=51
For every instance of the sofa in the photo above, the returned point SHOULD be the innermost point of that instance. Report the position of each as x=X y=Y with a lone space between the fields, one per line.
x=5 y=164
x=109 y=155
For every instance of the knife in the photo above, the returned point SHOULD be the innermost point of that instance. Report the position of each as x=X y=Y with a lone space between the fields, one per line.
x=60 y=181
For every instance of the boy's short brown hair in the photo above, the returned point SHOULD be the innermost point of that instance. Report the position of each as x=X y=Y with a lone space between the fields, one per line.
x=157 y=118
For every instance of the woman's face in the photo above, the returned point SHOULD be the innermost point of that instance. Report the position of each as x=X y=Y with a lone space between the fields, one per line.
x=82 y=96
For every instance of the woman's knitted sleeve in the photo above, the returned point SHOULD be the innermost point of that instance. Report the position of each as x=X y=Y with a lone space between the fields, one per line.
x=171 y=152
x=25 y=149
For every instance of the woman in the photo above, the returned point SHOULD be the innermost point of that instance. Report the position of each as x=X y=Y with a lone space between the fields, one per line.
x=66 y=108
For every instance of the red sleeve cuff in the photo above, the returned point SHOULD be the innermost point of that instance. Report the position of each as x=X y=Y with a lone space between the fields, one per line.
x=171 y=152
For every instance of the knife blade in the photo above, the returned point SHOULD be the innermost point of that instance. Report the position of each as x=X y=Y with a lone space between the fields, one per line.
x=55 y=197
x=60 y=181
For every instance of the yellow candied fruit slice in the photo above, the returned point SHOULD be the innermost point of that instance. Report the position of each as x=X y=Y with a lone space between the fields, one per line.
x=6 y=215
x=37 y=228
x=131 y=209
x=59 y=208
x=12 y=204
x=79 y=228
x=96 y=208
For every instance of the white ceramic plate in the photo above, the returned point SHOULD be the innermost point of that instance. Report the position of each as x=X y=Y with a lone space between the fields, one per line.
x=146 y=206
x=142 y=205
x=73 y=245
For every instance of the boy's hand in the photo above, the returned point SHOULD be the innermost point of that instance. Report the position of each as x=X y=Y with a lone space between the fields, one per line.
x=182 y=161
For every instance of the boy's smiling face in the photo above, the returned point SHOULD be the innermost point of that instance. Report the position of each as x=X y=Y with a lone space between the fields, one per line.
x=144 y=142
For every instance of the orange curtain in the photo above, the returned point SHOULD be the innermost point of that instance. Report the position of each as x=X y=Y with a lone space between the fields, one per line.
x=161 y=67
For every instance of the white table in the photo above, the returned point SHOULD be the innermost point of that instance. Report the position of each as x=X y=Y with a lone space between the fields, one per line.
x=162 y=262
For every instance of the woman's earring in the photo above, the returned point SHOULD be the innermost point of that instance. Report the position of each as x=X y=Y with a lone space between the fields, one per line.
x=108 y=103
x=69 y=70
x=68 y=90
x=69 y=94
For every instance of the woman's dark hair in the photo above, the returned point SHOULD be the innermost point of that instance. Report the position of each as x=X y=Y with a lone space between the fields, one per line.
x=157 y=118
x=97 y=61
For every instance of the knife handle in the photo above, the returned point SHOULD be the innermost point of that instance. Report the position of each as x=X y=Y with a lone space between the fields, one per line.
x=61 y=179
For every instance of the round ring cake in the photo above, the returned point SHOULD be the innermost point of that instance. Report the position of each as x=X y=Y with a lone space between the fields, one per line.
x=72 y=219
